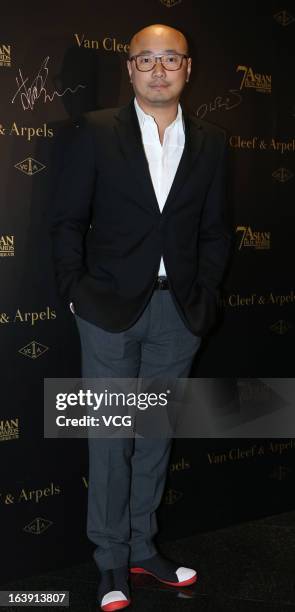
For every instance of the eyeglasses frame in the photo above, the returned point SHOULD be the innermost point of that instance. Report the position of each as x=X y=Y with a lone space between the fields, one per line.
x=156 y=57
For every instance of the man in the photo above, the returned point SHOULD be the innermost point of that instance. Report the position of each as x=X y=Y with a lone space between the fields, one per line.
x=140 y=245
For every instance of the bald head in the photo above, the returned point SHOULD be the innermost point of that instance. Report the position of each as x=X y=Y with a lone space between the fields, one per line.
x=158 y=89
x=158 y=36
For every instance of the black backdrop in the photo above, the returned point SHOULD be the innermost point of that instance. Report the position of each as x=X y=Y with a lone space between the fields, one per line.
x=57 y=60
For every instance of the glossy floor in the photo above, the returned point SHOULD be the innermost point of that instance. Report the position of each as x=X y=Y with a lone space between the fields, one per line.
x=244 y=568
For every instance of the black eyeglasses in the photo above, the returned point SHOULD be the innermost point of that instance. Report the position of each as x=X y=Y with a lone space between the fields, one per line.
x=169 y=61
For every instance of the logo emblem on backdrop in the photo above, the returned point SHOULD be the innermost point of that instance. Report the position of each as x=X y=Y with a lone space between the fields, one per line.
x=30 y=166
x=281 y=327
x=169 y=3
x=282 y=175
x=5 y=56
x=254 y=80
x=9 y=429
x=284 y=18
x=280 y=472
x=6 y=246
x=172 y=496
x=257 y=240
x=38 y=526
x=33 y=350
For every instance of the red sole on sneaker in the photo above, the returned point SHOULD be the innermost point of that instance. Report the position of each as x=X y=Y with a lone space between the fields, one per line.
x=140 y=570
x=116 y=605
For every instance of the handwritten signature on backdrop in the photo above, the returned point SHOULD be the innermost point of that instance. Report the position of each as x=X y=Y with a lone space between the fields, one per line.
x=29 y=93
x=230 y=100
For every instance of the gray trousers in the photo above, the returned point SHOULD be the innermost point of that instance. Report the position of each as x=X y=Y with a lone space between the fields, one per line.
x=127 y=475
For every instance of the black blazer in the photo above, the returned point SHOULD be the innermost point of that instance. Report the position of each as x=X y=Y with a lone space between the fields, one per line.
x=109 y=234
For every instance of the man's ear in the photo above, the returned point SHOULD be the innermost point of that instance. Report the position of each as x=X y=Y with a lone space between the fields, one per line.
x=189 y=67
x=129 y=68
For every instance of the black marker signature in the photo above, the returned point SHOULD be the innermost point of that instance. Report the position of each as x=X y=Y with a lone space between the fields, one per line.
x=29 y=94
x=228 y=102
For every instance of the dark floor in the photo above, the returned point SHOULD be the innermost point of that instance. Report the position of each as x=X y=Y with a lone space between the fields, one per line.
x=245 y=568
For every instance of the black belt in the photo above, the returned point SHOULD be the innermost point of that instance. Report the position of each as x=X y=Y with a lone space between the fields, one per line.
x=162 y=283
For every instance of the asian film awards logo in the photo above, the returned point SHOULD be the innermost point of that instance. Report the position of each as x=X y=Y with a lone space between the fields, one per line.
x=254 y=239
x=5 y=56
x=254 y=80
x=6 y=245
x=9 y=429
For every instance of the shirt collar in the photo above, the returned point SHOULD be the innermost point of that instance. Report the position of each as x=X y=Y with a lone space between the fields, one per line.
x=143 y=117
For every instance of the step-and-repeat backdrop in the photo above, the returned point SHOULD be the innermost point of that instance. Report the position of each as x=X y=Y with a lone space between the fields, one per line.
x=57 y=60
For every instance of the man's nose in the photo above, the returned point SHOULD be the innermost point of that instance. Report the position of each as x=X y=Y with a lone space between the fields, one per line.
x=158 y=69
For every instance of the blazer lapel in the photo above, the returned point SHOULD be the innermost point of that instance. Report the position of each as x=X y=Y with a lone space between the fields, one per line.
x=194 y=135
x=129 y=134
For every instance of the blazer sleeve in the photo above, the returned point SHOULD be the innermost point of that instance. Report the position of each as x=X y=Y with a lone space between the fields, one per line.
x=72 y=207
x=215 y=235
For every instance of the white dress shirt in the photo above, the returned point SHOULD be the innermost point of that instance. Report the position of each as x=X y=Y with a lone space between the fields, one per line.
x=163 y=159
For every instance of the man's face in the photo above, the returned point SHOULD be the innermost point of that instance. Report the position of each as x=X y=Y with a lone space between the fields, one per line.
x=158 y=87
